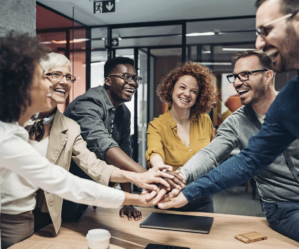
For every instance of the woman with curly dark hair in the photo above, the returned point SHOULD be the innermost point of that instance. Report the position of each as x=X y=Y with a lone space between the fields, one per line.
x=185 y=128
x=25 y=91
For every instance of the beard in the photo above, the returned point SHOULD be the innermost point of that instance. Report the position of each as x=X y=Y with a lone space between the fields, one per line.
x=289 y=51
x=259 y=91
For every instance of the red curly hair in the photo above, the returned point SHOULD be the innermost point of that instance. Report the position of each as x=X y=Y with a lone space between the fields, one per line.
x=204 y=78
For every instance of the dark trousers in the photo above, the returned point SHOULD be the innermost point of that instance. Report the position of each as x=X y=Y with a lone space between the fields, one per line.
x=283 y=217
x=41 y=219
x=202 y=204
x=15 y=228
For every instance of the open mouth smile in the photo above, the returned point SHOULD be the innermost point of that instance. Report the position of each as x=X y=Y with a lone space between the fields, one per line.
x=130 y=90
x=60 y=91
x=186 y=101
x=242 y=91
x=272 y=52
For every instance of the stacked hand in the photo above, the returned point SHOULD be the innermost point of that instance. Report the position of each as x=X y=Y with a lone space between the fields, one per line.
x=162 y=186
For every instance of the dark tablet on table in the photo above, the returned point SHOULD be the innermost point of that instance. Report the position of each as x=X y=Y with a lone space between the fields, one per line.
x=177 y=222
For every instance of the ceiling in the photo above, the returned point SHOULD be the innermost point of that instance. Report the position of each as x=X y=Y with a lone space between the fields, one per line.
x=135 y=11
x=230 y=31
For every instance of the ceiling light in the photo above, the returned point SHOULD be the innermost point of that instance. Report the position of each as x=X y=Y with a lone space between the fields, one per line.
x=46 y=42
x=206 y=52
x=119 y=38
x=97 y=63
x=216 y=63
x=80 y=40
x=237 y=49
x=201 y=34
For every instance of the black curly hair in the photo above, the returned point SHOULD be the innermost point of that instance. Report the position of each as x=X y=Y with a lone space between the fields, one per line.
x=19 y=53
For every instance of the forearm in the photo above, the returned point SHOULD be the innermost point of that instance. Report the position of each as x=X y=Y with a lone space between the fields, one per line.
x=156 y=161
x=205 y=160
x=122 y=176
x=215 y=153
x=118 y=158
x=132 y=199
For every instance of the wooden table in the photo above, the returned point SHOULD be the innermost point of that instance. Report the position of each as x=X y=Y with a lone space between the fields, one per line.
x=128 y=234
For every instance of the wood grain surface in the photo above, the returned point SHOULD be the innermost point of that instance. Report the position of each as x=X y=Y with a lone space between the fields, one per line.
x=128 y=234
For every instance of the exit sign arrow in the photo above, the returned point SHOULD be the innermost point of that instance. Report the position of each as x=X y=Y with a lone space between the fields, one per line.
x=109 y=6
x=114 y=41
x=104 y=6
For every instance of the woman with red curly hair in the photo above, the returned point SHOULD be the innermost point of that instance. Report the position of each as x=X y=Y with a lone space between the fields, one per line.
x=185 y=128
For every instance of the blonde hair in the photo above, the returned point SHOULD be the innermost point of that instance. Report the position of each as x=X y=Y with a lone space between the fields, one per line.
x=55 y=60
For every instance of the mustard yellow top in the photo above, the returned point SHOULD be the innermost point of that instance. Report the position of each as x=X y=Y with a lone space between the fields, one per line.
x=163 y=140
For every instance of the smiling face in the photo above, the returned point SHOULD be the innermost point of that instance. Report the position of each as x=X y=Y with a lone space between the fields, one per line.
x=40 y=93
x=61 y=88
x=253 y=89
x=282 y=39
x=119 y=90
x=185 y=92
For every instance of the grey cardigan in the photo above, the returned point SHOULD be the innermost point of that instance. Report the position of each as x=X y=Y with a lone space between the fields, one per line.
x=275 y=183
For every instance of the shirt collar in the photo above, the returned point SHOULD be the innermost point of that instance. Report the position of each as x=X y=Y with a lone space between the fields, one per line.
x=107 y=99
x=172 y=122
x=170 y=119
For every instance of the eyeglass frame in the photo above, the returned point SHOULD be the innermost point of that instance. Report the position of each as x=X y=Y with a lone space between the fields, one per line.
x=247 y=73
x=63 y=75
x=261 y=31
x=125 y=79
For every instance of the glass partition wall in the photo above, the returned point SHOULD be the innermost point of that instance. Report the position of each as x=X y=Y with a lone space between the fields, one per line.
x=157 y=48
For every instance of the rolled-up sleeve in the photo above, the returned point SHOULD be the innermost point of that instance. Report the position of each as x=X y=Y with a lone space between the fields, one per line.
x=154 y=143
x=88 y=113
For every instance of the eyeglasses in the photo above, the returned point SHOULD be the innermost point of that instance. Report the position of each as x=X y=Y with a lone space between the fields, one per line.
x=128 y=77
x=263 y=31
x=243 y=76
x=57 y=76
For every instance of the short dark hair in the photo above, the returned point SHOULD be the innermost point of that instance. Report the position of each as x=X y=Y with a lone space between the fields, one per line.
x=265 y=60
x=18 y=56
x=112 y=63
x=286 y=6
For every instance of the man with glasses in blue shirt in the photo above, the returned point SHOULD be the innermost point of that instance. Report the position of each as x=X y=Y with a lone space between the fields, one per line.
x=277 y=24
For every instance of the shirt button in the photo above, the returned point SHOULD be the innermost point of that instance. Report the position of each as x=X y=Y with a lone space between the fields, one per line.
x=111 y=126
x=113 y=109
x=111 y=130
x=110 y=135
x=190 y=150
x=51 y=203
x=112 y=121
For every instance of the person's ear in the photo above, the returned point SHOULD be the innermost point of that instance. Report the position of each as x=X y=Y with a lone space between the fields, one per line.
x=269 y=77
x=108 y=81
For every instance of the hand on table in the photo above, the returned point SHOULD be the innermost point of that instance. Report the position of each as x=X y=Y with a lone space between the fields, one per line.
x=131 y=212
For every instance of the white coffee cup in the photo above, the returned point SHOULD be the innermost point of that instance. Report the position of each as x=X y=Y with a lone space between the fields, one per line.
x=98 y=239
